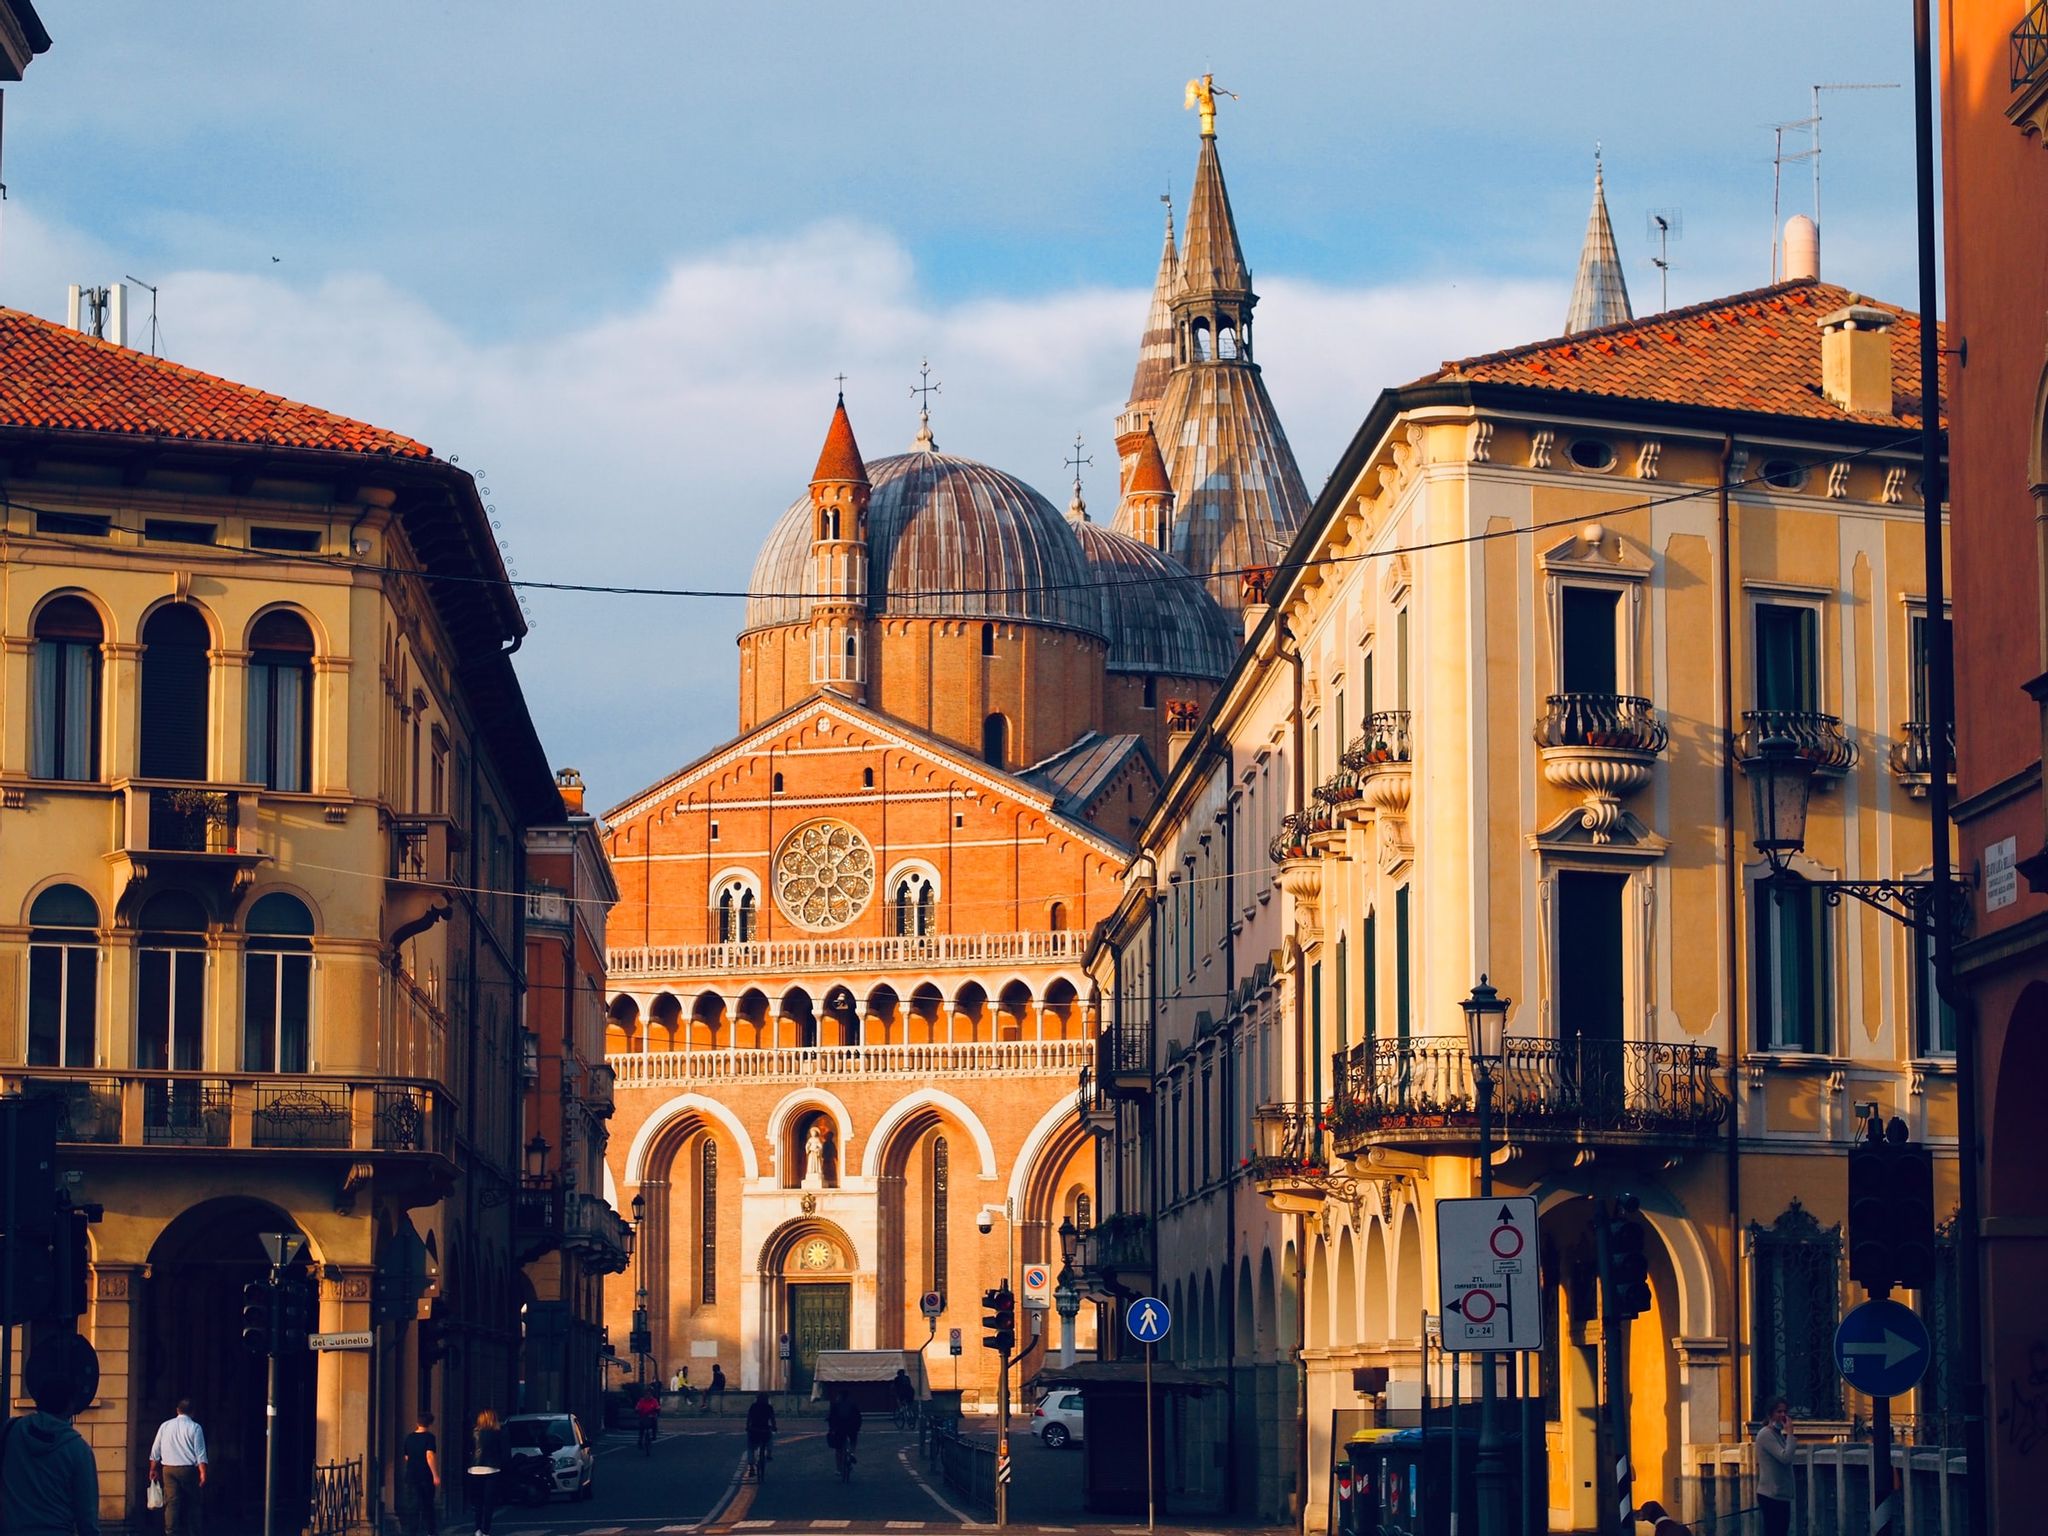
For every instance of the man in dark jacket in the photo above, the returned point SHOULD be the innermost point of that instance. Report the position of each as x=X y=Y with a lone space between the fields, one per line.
x=842 y=1424
x=49 y=1482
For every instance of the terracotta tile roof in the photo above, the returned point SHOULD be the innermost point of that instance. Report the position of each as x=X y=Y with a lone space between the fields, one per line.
x=1148 y=474
x=1755 y=352
x=840 y=457
x=52 y=378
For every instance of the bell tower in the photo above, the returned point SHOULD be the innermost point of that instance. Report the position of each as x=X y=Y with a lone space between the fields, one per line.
x=838 y=592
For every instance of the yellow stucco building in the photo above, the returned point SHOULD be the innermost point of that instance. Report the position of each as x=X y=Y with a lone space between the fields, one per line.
x=1491 y=721
x=264 y=775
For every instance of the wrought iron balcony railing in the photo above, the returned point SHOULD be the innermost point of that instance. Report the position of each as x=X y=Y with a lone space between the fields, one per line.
x=1296 y=829
x=1118 y=1245
x=1423 y=1090
x=2030 y=47
x=1339 y=789
x=1617 y=722
x=1383 y=740
x=1912 y=756
x=1816 y=738
x=1124 y=1056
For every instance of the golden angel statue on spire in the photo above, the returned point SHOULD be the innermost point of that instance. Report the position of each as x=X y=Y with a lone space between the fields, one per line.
x=1203 y=93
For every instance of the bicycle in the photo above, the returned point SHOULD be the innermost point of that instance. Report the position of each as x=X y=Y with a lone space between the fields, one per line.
x=843 y=1452
x=759 y=1454
x=906 y=1415
x=647 y=1432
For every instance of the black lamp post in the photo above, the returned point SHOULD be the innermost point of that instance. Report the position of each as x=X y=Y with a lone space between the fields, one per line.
x=1486 y=1020
x=537 y=1157
x=1066 y=1295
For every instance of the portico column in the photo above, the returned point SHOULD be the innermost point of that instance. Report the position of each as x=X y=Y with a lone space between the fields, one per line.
x=111 y=1426
x=342 y=1376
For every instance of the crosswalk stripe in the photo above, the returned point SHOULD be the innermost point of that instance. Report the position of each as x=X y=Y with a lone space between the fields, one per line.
x=830 y=1525
x=906 y=1525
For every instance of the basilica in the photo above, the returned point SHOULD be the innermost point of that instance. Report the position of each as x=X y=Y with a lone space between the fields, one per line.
x=849 y=1007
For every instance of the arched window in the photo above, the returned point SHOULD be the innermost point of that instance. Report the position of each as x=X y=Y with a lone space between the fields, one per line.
x=277 y=986
x=281 y=703
x=1226 y=342
x=867 y=778
x=174 y=693
x=65 y=737
x=1056 y=917
x=914 y=907
x=1151 y=691
x=63 y=977
x=852 y=659
x=995 y=741
x=775 y=785
x=707 y=1222
x=170 y=1003
x=988 y=639
x=1201 y=341
x=941 y=1177
x=737 y=908
x=1084 y=1212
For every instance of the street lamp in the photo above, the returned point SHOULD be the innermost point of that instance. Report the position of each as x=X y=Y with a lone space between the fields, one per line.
x=1780 y=788
x=1066 y=1296
x=537 y=1157
x=985 y=1219
x=1486 y=1022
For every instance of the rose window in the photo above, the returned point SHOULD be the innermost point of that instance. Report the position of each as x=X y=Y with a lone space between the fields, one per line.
x=824 y=875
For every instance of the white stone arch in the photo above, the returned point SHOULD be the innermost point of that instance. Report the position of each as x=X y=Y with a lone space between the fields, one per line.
x=1697 y=1301
x=927 y=1098
x=1034 y=1145
x=684 y=1104
x=813 y=1098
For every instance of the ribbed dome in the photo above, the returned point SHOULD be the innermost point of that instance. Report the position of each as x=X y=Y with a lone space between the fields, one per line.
x=1155 y=613
x=940 y=530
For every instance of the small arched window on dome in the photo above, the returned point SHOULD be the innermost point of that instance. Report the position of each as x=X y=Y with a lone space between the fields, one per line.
x=735 y=907
x=988 y=639
x=914 y=905
x=1226 y=341
x=1151 y=691
x=995 y=741
x=1200 y=334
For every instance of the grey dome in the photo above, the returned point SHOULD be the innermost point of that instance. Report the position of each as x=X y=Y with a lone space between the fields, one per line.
x=941 y=529
x=1157 y=616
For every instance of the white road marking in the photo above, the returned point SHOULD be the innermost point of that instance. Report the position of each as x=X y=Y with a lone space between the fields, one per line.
x=830 y=1525
x=906 y=1525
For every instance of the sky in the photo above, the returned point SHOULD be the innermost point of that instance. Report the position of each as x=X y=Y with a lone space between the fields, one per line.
x=611 y=256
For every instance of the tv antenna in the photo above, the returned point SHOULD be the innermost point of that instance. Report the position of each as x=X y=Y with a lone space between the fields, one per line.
x=1781 y=157
x=1664 y=225
x=150 y=289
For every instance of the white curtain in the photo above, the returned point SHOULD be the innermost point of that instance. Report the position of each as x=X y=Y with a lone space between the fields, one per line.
x=61 y=745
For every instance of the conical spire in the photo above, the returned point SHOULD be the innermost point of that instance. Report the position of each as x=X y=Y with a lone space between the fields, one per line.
x=1211 y=262
x=840 y=459
x=1155 y=347
x=1600 y=297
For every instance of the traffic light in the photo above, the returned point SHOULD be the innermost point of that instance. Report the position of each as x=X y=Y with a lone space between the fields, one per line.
x=433 y=1344
x=294 y=1311
x=259 y=1317
x=1891 y=1210
x=1006 y=1320
x=70 y=1259
x=991 y=1319
x=1628 y=1262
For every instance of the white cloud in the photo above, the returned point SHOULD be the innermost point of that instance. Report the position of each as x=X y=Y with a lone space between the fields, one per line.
x=655 y=441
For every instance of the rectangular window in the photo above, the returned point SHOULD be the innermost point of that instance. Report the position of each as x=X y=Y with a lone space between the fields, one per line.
x=279 y=749
x=166 y=531
x=64 y=740
x=1787 y=657
x=1588 y=621
x=297 y=540
x=170 y=1008
x=277 y=1011
x=1590 y=988
x=1793 y=965
x=942 y=1179
x=1934 y=1021
x=1208 y=1125
x=1401 y=999
x=707 y=1226
x=63 y=980
x=1343 y=993
x=1372 y=978
x=76 y=524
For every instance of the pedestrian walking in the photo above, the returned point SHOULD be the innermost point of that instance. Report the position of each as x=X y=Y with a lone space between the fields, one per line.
x=49 y=1482
x=419 y=1477
x=177 y=1459
x=714 y=1394
x=1774 y=1468
x=486 y=1461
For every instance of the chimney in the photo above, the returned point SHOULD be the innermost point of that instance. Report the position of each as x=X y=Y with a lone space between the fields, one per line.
x=570 y=783
x=1856 y=358
x=1802 y=248
x=117 y=314
x=1181 y=718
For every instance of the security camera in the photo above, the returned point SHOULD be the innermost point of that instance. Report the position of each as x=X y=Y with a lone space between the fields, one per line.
x=985 y=1221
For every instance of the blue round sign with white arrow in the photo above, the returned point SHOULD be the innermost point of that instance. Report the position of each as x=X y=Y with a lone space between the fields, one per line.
x=1148 y=1319
x=1882 y=1348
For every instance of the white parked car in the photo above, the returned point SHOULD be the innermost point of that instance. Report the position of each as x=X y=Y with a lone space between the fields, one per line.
x=1057 y=1419
x=560 y=1437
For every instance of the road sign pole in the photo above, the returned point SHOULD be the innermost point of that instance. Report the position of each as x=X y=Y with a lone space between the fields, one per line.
x=1150 y=1509
x=1881 y=1507
x=1491 y=1469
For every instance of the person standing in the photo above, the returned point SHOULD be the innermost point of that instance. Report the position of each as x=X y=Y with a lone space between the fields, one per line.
x=714 y=1394
x=487 y=1458
x=419 y=1477
x=177 y=1459
x=49 y=1482
x=1774 y=1468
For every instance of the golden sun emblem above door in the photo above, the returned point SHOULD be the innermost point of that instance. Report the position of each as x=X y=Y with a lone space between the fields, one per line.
x=818 y=1254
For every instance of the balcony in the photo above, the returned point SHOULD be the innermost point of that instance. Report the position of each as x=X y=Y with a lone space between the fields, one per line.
x=416 y=878
x=590 y=1227
x=200 y=833
x=600 y=1081
x=845 y=1063
x=241 y=1112
x=1816 y=739
x=1117 y=1254
x=1381 y=755
x=1095 y=1105
x=1420 y=1093
x=1911 y=758
x=1291 y=1168
x=537 y=1217
x=1124 y=1061
x=790 y=956
x=2029 y=109
x=1342 y=795
x=1297 y=851
x=1599 y=746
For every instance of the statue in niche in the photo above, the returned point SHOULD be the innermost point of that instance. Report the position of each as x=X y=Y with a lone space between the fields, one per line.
x=814 y=1157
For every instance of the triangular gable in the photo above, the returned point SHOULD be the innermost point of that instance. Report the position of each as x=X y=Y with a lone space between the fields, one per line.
x=887 y=735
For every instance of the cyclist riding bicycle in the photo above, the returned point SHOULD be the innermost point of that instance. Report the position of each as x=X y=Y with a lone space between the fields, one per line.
x=760 y=1431
x=842 y=1431
x=649 y=1411
x=906 y=1399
